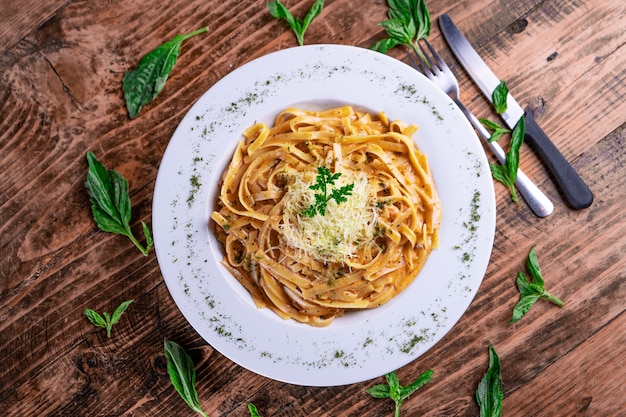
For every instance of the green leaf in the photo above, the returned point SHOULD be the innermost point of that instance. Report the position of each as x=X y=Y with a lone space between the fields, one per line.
x=117 y=313
x=531 y=291
x=528 y=297
x=384 y=45
x=512 y=157
x=499 y=96
x=379 y=391
x=95 y=318
x=143 y=84
x=253 y=410
x=182 y=374
x=489 y=394
x=110 y=202
x=532 y=263
x=323 y=180
x=497 y=130
x=299 y=26
x=392 y=389
x=418 y=383
x=409 y=21
x=106 y=321
x=500 y=173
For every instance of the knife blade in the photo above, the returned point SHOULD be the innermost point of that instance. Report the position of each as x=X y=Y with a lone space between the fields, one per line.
x=575 y=192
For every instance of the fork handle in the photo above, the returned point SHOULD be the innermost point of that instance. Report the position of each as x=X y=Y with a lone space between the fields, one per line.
x=538 y=202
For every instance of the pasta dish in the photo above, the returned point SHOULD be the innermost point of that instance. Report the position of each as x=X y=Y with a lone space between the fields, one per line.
x=326 y=212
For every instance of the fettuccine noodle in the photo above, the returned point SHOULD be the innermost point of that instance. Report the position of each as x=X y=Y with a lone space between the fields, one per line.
x=361 y=252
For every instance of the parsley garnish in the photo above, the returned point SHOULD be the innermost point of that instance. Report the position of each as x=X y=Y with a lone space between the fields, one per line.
x=299 y=26
x=324 y=179
x=531 y=291
x=106 y=320
x=392 y=389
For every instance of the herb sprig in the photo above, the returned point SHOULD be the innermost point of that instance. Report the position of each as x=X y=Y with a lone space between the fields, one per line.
x=392 y=389
x=531 y=291
x=409 y=21
x=106 y=320
x=299 y=26
x=144 y=83
x=506 y=174
x=489 y=394
x=182 y=374
x=110 y=202
x=325 y=179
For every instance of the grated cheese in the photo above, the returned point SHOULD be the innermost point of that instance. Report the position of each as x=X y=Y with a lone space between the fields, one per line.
x=337 y=235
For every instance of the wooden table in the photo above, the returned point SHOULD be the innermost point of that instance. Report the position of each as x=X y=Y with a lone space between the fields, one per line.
x=61 y=66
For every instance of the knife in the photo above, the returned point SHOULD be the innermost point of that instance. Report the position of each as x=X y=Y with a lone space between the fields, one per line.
x=574 y=189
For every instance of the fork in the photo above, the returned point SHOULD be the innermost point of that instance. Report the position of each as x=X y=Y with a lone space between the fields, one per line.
x=441 y=75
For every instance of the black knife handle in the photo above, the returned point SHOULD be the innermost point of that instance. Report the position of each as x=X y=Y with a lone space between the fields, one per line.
x=575 y=191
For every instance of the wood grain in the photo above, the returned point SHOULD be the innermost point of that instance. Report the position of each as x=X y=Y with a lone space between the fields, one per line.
x=61 y=65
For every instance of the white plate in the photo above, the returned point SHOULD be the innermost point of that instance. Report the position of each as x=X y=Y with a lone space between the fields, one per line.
x=361 y=345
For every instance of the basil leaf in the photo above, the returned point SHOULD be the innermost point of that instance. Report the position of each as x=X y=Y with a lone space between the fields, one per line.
x=110 y=202
x=117 y=313
x=385 y=44
x=143 y=84
x=421 y=17
x=392 y=389
x=499 y=96
x=529 y=294
x=299 y=27
x=399 y=30
x=314 y=11
x=418 y=383
x=106 y=321
x=280 y=11
x=409 y=21
x=497 y=130
x=512 y=157
x=253 y=410
x=489 y=394
x=379 y=391
x=531 y=291
x=95 y=318
x=182 y=375
x=500 y=173
x=532 y=263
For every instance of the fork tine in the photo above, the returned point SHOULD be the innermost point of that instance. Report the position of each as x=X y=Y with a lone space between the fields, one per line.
x=418 y=65
x=440 y=62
